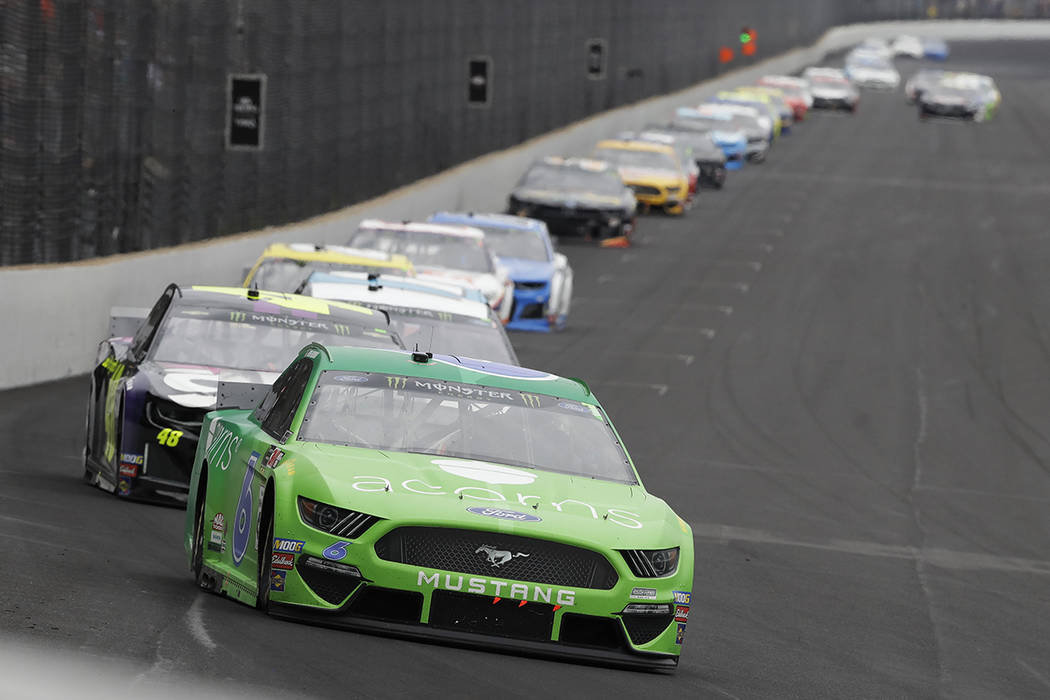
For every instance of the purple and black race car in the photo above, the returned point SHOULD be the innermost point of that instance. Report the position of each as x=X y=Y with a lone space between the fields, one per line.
x=159 y=373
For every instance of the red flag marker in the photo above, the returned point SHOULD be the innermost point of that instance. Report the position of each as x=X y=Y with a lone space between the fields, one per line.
x=495 y=600
x=521 y=603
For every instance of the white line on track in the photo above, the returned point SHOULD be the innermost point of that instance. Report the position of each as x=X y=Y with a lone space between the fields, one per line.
x=706 y=332
x=935 y=556
x=195 y=621
x=1038 y=676
x=687 y=359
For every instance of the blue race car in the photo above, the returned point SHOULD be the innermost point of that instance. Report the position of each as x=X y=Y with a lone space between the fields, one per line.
x=542 y=278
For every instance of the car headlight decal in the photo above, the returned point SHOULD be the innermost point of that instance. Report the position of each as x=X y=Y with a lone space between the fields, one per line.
x=652 y=563
x=334 y=520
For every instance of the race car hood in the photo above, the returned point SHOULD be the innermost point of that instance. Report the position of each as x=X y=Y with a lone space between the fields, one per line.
x=483 y=495
x=650 y=176
x=568 y=198
x=194 y=386
x=489 y=284
x=522 y=270
x=729 y=138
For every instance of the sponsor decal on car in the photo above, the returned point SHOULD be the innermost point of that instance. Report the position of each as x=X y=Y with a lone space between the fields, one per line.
x=680 y=634
x=504 y=514
x=129 y=470
x=681 y=613
x=496 y=475
x=560 y=597
x=131 y=458
x=683 y=597
x=277 y=579
x=123 y=487
x=222 y=444
x=218 y=523
x=282 y=560
x=215 y=546
x=216 y=538
x=273 y=457
x=282 y=545
x=643 y=593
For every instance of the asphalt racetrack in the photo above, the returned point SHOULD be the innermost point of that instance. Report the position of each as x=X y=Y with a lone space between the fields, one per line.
x=837 y=370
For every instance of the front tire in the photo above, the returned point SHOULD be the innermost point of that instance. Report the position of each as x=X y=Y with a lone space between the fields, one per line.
x=197 y=565
x=265 y=568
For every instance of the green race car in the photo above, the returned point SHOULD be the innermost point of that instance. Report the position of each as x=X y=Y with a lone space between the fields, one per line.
x=442 y=498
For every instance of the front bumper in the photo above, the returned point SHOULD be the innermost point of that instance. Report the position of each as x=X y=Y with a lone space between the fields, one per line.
x=590 y=224
x=936 y=109
x=529 y=313
x=657 y=196
x=357 y=588
x=735 y=155
x=833 y=103
x=619 y=657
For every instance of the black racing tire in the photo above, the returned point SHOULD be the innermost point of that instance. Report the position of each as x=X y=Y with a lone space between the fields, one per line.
x=89 y=477
x=265 y=567
x=197 y=558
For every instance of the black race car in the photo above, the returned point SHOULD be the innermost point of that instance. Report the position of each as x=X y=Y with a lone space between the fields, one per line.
x=576 y=197
x=159 y=373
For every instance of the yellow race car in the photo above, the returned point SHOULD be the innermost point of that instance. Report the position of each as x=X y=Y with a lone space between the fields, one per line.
x=285 y=267
x=652 y=170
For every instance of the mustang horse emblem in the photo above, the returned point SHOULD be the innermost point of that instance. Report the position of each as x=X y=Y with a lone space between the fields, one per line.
x=497 y=557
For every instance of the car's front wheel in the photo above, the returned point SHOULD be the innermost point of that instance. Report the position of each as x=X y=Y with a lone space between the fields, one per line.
x=197 y=560
x=265 y=568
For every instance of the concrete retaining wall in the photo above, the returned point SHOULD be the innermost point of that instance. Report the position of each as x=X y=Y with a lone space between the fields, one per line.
x=55 y=315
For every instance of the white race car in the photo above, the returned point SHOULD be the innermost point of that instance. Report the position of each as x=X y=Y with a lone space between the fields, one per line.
x=430 y=315
x=456 y=254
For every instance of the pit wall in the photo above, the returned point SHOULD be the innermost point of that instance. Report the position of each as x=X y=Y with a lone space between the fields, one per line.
x=55 y=315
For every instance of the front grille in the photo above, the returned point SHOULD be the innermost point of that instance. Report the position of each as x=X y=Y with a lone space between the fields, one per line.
x=461 y=551
x=387 y=604
x=645 y=190
x=543 y=211
x=591 y=631
x=645 y=628
x=330 y=586
x=532 y=311
x=530 y=285
x=465 y=612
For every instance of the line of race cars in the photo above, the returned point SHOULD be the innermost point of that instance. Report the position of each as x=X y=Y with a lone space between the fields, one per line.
x=357 y=446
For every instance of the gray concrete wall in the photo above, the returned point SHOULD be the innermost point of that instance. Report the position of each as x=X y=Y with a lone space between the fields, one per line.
x=55 y=315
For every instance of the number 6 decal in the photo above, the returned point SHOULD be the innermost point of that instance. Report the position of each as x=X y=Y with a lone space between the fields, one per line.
x=336 y=551
x=242 y=526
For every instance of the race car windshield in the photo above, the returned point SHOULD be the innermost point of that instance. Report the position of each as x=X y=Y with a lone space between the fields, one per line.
x=468 y=421
x=566 y=179
x=286 y=274
x=630 y=158
x=515 y=243
x=427 y=249
x=451 y=334
x=255 y=341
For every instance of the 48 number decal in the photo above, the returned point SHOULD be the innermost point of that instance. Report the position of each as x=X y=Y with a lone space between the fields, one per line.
x=169 y=437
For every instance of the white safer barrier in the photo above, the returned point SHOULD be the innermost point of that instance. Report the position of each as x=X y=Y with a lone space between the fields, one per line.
x=55 y=315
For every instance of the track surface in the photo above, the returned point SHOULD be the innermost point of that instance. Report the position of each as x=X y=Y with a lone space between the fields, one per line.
x=837 y=369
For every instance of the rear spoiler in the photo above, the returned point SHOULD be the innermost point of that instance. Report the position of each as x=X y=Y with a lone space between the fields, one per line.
x=125 y=320
x=243 y=395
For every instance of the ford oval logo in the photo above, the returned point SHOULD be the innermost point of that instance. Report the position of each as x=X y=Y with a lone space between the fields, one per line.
x=504 y=514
